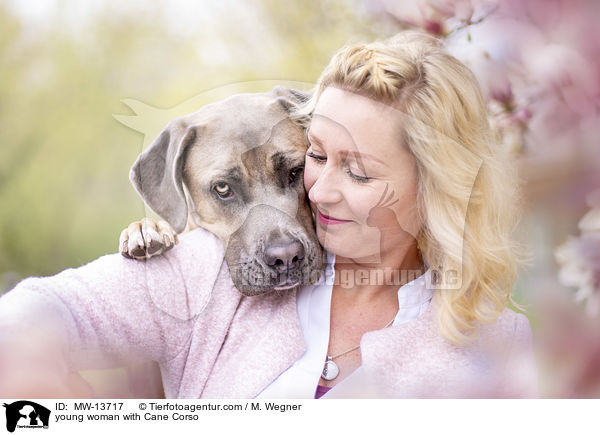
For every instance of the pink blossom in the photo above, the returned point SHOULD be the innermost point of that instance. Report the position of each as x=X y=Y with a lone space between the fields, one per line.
x=579 y=259
x=429 y=15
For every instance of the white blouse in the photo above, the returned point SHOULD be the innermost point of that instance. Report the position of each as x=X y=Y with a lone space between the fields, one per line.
x=314 y=306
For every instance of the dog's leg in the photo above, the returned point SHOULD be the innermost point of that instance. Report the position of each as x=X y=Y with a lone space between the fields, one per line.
x=146 y=238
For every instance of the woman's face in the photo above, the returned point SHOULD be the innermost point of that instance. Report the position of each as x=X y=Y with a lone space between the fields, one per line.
x=360 y=179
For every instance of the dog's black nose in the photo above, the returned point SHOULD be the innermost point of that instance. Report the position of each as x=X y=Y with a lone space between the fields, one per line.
x=283 y=256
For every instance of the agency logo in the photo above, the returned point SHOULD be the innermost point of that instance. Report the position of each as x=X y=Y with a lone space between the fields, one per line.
x=26 y=414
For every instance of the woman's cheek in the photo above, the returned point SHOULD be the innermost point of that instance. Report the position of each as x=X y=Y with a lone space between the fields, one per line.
x=363 y=200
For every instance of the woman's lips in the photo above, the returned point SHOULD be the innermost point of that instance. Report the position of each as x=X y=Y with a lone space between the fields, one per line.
x=328 y=220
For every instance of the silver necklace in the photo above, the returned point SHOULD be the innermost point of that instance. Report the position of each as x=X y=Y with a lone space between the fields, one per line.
x=330 y=369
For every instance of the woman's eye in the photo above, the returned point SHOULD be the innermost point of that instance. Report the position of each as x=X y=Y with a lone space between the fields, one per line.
x=223 y=190
x=293 y=176
x=357 y=178
x=320 y=159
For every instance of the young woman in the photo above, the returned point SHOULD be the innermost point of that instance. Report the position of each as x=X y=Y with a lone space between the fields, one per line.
x=414 y=204
x=403 y=174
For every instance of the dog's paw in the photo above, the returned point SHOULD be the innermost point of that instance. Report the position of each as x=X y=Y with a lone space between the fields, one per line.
x=146 y=238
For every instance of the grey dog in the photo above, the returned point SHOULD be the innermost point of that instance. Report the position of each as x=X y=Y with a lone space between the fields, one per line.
x=234 y=168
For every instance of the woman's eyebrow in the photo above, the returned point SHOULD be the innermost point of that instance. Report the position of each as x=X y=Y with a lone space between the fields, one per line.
x=356 y=154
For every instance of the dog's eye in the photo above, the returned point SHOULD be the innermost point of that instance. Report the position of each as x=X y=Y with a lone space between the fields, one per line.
x=294 y=173
x=223 y=190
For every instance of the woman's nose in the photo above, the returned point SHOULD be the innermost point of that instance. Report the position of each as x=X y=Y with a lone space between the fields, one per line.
x=326 y=188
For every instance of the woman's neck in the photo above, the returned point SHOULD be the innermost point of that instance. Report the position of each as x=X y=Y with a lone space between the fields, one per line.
x=368 y=278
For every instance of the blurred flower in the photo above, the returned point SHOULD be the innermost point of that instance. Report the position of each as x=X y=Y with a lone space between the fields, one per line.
x=540 y=58
x=567 y=349
x=579 y=259
x=591 y=221
x=433 y=16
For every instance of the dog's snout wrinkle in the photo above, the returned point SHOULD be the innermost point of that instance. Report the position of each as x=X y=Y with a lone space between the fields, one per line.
x=284 y=255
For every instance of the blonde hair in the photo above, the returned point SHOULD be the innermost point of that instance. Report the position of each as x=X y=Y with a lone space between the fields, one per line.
x=467 y=184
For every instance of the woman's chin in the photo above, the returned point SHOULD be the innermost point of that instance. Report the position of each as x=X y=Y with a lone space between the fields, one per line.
x=355 y=253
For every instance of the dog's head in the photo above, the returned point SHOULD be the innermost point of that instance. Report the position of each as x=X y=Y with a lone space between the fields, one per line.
x=235 y=168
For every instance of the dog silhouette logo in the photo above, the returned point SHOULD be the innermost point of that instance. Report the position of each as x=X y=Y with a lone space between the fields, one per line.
x=26 y=414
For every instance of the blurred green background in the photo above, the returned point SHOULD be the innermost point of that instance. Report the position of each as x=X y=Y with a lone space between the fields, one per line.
x=64 y=188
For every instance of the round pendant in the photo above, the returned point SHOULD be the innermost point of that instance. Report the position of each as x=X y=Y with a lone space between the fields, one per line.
x=330 y=371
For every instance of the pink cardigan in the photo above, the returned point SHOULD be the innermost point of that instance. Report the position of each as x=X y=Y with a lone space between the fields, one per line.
x=182 y=310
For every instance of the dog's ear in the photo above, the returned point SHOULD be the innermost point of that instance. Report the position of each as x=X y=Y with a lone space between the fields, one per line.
x=157 y=173
x=289 y=99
